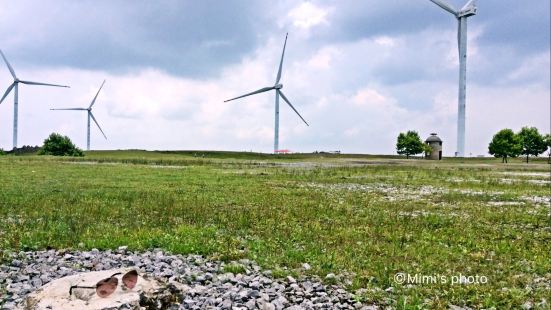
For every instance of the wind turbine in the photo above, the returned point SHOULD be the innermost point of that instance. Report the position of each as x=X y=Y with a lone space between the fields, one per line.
x=277 y=87
x=15 y=87
x=467 y=10
x=90 y=115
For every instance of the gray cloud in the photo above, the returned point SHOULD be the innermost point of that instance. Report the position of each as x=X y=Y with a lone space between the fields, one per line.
x=197 y=38
x=191 y=38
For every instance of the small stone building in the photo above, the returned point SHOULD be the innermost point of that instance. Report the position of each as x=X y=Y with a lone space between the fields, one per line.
x=436 y=145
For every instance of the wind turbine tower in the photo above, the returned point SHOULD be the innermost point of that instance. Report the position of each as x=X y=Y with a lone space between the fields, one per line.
x=468 y=10
x=277 y=87
x=15 y=87
x=90 y=115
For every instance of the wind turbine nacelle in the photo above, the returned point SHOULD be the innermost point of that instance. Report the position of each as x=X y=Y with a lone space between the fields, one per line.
x=278 y=86
x=468 y=12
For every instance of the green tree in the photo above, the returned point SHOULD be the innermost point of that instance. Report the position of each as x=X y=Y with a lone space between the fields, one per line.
x=2 y=152
x=59 y=145
x=427 y=149
x=547 y=139
x=409 y=143
x=531 y=141
x=505 y=144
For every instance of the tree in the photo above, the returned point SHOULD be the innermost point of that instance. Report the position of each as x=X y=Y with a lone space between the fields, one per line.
x=59 y=145
x=427 y=149
x=25 y=150
x=505 y=144
x=531 y=141
x=2 y=152
x=409 y=143
x=547 y=139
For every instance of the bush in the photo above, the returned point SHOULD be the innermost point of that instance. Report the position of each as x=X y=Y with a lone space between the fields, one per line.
x=59 y=145
x=2 y=152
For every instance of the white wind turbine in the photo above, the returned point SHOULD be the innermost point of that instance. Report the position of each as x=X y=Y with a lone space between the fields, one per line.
x=277 y=87
x=90 y=115
x=467 y=10
x=15 y=87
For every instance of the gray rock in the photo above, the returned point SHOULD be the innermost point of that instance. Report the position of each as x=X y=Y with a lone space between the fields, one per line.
x=16 y=263
x=253 y=294
x=226 y=304
x=202 y=282
x=36 y=283
x=255 y=285
x=268 y=306
x=318 y=287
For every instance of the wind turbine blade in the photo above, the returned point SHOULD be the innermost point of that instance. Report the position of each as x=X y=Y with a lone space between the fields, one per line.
x=265 y=89
x=79 y=109
x=94 y=101
x=94 y=119
x=469 y=4
x=281 y=61
x=43 y=84
x=289 y=103
x=8 y=64
x=445 y=6
x=7 y=92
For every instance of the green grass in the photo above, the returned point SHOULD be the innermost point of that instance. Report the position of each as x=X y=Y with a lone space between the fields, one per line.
x=370 y=216
x=234 y=268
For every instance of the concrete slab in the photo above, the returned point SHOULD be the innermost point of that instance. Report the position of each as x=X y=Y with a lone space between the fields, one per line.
x=55 y=295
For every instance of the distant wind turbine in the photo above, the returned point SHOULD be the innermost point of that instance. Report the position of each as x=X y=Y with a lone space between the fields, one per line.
x=277 y=87
x=468 y=9
x=90 y=115
x=15 y=86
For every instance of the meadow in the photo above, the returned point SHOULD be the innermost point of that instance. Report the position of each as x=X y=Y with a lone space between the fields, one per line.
x=363 y=218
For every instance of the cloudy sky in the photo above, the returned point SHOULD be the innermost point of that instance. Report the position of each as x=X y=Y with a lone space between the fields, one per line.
x=359 y=72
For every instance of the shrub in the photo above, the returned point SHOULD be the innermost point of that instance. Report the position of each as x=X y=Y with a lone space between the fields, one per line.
x=59 y=145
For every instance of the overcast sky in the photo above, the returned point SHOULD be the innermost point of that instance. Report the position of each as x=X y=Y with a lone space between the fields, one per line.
x=359 y=72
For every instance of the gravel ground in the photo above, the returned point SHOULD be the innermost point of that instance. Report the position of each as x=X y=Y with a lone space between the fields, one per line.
x=206 y=283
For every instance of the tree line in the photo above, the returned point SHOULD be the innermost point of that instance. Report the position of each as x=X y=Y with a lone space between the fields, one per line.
x=527 y=142
x=505 y=144
x=55 y=144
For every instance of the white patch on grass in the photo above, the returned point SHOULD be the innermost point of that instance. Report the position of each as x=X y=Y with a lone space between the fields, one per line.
x=461 y=180
x=528 y=174
x=540 y=200
x=532 y=181
x=505 y=203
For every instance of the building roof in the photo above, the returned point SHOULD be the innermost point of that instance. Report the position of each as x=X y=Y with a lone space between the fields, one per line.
x=433 y=138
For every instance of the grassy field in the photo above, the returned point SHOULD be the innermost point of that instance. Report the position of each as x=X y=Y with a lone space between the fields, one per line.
x=367 y=217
